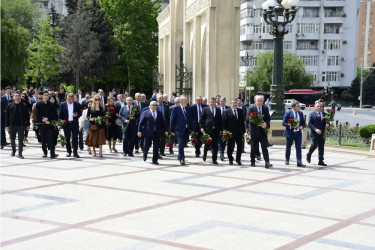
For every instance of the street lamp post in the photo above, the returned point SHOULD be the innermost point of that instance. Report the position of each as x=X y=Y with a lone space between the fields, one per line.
x=278 y=14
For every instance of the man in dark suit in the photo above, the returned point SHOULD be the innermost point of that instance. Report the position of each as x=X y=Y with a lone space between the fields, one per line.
x=5 y=99
x=244 y=111
x=176 y=103
x=233 y=122
x=129 y=134
x=180 y=124
x=46 y=113
x=210 y=123
x=151 y=126
x=257 y=132
x=222 y=107
x=70 y=111
x=294 y=133
x=317 y=125
x=163 y=108
x=114 y=94
x=103 y=97
x=80 y=96
x=196 y=111
x=141 y=105
x=61 y=95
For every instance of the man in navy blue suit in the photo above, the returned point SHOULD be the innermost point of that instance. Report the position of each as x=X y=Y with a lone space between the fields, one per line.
x=295 y=133
x=70 y=111
x=222 y=107
x=129 y=133
x=163 y=108
x=4 y=104
x=196 y=112
x=257 y=132
x=180 y=124
x=151 y=126
x=317 y=125
x=141 y=105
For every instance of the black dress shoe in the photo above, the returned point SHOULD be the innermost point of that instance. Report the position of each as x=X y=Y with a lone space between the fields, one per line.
x=204 y=158
x=308 y=158
x=136 y=151
x=252 y=164
x=155 y=162
x=269 y=145
x=286 y=162
x=239 y=162
x=68 y=154
x=182 y=162
x=268 y=165
x=259 y=158
x=222 y=158
x=76 y=156
x=20 y=157
x=301 y=165
x=230 y=162
x=321 y=163
x=197 y=155
x=124 y=154
x=171 y=151
x=2 y=146
x=215 y=162
x=162 y=154
x=144 y=157
x=44 y=155
x=13 y=153
x=159 y=157
x=54 y=156
x=131 y=155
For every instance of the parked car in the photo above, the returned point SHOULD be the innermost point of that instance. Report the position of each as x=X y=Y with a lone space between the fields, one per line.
x=288 y=104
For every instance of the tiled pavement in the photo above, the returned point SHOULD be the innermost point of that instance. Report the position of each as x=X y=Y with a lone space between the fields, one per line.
x=118 y=202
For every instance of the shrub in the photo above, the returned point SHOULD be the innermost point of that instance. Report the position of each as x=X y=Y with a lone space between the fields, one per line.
x=367 y=131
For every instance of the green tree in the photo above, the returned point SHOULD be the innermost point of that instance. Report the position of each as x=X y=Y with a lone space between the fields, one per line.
x=44 y=54
x=135 y=30
x=295 y=75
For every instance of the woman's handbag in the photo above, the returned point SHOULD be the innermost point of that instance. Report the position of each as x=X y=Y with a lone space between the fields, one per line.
x=93 y=127
x=118 y=122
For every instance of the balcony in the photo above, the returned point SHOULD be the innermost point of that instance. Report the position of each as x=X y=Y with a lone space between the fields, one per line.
x=309 y=3
x=334 y=3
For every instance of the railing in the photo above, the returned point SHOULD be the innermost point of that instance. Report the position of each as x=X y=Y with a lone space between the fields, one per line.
x=344 y=134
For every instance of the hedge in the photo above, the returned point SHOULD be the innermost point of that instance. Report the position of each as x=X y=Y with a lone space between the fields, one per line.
x=367 y=131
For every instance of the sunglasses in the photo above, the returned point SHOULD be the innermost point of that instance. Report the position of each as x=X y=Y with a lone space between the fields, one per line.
x=97 y=99
x=40 y=98
x=154 y=105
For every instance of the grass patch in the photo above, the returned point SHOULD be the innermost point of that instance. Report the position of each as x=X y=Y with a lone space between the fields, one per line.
x=349 y=144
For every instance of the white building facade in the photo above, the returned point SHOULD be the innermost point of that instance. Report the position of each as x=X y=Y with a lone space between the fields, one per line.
x=323 y=35
x=46 y=5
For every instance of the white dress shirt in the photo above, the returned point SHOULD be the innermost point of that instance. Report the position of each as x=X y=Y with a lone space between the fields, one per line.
x=70 y=111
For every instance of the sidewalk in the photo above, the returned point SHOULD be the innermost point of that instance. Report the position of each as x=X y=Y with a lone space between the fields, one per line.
x=118 y=202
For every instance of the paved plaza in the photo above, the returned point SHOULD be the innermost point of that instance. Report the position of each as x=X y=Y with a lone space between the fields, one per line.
x=118 y=202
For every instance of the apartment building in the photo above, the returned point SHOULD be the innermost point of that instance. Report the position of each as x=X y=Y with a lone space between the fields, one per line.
x=366 y=34
x=46 y=5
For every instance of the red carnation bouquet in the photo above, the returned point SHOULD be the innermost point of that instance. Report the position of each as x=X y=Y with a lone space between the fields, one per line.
x=257 y=120
x=206 y=139
x=226 y=135
x=248 y=139
x=132 y=113
x=194 y=138
x=293 y=123
x=330 y=117
x=169 y=142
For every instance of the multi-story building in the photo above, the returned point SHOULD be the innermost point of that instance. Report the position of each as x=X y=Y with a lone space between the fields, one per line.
x=366 y=34
x=323 y=35
x=46 y=5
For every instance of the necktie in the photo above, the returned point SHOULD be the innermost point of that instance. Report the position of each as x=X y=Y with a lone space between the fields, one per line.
x=153 y=114
x=260 y=111
x=184 y=112
x=8 y=98
x=222 y=114
x=235 y=113
x=295 y=115
x=199 y=112
x=320 y=117
x=212 y=110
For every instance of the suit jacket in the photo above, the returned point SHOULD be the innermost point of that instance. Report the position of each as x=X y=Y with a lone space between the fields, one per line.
x=48 y=110
x=124 y=115
x=23 y=114
x=4 y=103
x=254 y=129
x=290 y=115
x=210 y=123
x=316 y=123
x=179 y=121
x=64 y=112
x=219 y=107
x=105 y=99
x=141 y=106
x=146 y=124
x=194 y=117
x=234 y=125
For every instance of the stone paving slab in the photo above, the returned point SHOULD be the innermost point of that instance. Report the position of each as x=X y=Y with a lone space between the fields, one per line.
x=118 y=202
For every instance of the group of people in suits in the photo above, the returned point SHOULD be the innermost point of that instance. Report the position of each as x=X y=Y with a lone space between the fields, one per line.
x=155 y=120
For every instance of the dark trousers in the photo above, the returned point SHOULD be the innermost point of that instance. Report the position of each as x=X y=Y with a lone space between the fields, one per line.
x=181 y=144
x=71 y=129
x=137 y=140
x=255 y=139
x=214 y=145
x=80 y=139
x=48 y=135
x=155 y=140
x=297 y=138
x=222 y=145
x=238 y=141
x=128 y=139
x=20 y=131
x=162 y=143
x=199 y=144
x=317 y=141
x=3 y=135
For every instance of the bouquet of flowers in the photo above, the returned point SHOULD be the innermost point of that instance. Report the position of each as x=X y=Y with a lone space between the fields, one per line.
x=257 y=120
x=62 y=140
x=330 y=117
x=248 y=139
x=293 y=123
x=132 y=113
x=58 y=123
x=99 y=120
x=206 y=139
x=226 y=135
x=168 y=142
x=194 y=138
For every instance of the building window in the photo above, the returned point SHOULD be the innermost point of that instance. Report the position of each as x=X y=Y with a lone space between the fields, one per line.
x=308 y=28
x=309 y=60
x=333 y=61
x=330 y=76
x=287 y=44
x=333 y=12
x=332 y=28
x=307 y=45
x=257 y=29
x=258 y=45
x=289 y=28
x=310 y=12
x=332 y=44
x=314 y=74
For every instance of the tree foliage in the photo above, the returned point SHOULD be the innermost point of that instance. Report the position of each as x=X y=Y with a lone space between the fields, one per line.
x=295 y=75
x=44 y=53
x=135 y=30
